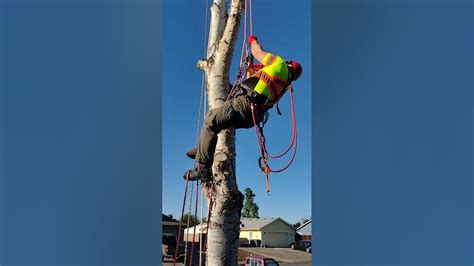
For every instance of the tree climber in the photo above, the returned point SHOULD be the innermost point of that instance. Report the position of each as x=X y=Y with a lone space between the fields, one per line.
x=262 y=89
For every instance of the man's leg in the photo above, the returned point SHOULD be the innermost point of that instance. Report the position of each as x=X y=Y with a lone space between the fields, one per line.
x=245 y=120
x=216 y=120
x=243 y=106
x=226 y=116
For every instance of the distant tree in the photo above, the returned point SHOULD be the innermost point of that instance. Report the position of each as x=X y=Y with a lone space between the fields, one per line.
x=296 y=225
x=250 y=207
x=169 y=218
x=300 y=222
x=192 y=220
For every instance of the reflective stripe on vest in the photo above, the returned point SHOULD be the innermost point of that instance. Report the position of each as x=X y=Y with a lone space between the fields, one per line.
x=276 y=85
x=265 y=78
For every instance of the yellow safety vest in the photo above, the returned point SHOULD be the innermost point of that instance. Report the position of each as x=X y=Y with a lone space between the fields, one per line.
x=273 y=77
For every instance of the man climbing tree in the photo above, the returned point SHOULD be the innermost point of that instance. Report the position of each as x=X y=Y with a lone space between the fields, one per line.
x=215 y=153
x=259 y=92
x=250 y=207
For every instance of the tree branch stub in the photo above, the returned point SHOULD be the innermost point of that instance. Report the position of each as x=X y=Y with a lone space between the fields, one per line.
x=202 y=64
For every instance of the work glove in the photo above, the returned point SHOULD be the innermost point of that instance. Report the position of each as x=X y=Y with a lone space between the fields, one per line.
x=251 y=39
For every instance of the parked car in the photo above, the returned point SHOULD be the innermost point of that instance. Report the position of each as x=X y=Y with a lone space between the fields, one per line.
x=304 y=245
x=260 y=261
x=244 y=242
x=255 y=243
x=169 y=245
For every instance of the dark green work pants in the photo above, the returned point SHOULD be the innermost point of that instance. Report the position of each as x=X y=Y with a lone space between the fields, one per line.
x=235 y=113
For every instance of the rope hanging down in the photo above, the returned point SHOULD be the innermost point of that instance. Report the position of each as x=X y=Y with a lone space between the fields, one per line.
x=264 y=154
x=202 y=110
x=244 y=60
x=203 y=244
x=180 y=223
x=246 y=65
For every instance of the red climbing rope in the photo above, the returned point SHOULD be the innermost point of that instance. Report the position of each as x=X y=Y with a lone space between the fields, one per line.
x=243 y=59
x=195 y=224
x=264 y=154
x=211 y=203
x=180 y=223
x=294 y=135
x=246 y=65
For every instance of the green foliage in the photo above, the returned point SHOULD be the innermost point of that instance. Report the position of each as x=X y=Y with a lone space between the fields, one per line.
x=250 y=207
x=300 y=222
x=168 y=218
x=296 y=225
x=191 y=218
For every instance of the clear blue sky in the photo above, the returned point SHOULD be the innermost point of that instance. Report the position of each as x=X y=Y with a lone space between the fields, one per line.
x=281 y=28
x=80 y=116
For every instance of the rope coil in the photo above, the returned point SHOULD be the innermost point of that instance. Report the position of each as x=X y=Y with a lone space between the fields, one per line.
x=264 y=154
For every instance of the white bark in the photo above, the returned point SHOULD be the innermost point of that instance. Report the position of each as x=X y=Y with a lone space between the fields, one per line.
x=224 y=224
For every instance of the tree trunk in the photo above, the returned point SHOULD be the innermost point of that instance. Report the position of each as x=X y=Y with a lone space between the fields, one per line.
x=223 y=194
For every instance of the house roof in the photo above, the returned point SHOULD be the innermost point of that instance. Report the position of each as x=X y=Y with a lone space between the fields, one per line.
x=305 y=229
x=246 y=224
x=255 y=223
x=258 y=224
x=170 y=223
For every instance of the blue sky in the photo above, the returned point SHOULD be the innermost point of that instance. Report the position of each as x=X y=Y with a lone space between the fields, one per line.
x=183 y=44
x=80 y=93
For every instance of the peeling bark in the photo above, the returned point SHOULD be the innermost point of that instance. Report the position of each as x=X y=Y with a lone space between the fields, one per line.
x=227 y=201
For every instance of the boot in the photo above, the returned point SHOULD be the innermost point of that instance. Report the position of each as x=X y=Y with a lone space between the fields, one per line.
x=201 y=172
x=192 y=153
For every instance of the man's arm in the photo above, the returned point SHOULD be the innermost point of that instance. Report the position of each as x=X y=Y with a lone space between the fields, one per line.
x=257 y=50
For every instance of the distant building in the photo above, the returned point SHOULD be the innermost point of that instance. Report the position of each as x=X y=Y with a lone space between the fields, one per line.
x=305 y=230
x=170 y=227
x=200 y=230
x=271 y=232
